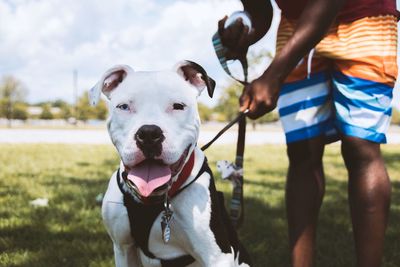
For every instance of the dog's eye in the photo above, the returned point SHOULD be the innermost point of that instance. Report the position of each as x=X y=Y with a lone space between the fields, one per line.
x=123 y=107
x=179 y=106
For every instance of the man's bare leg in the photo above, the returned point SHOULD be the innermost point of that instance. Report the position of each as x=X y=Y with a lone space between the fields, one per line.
x=304 y=193
x=369 y=198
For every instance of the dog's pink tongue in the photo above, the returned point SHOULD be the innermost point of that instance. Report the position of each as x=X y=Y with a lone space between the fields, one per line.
x=149 y=175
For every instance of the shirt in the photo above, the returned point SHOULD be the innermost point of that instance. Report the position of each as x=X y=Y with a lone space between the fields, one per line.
x=351 y=11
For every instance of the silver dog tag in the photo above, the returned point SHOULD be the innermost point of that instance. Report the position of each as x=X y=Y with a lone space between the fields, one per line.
x=166 y=231
x=165 y=221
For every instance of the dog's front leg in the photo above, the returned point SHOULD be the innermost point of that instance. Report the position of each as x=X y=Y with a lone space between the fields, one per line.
x=115 y=218
x=126 y=255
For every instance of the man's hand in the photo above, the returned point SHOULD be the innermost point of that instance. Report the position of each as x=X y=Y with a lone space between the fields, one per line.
x=260 y=96
x=236 y=38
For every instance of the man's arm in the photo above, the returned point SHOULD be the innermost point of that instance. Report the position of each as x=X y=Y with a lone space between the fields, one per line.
x=312 y=26
x=262 y=94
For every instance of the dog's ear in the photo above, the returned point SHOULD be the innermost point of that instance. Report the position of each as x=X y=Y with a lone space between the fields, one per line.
x=108 y=82
x=196 y=75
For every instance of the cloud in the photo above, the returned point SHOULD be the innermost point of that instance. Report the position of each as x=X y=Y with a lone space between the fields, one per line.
x=43 y=41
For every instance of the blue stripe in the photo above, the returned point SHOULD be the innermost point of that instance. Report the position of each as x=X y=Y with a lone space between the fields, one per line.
x=303 y=105
x=367 y=134
x=344 y=128
x=309 y=132
x=216 y=41
x=316 y=78
x=345 y=102
x=359 y=84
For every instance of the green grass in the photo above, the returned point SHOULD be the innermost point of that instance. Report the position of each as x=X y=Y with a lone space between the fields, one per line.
x=69 y=232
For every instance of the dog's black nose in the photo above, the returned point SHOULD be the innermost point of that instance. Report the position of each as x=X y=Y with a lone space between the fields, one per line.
x=149 y=135
x=148 y=139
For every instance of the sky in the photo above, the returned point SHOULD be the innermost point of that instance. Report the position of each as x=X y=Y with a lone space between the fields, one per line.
x=43 y=41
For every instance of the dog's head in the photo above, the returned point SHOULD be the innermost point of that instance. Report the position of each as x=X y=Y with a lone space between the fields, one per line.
x=153 y=122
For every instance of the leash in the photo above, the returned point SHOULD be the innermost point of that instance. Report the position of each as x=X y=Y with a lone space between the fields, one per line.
x=236 y=204
x=236 y=177
x=240 y=117
x=237 y=207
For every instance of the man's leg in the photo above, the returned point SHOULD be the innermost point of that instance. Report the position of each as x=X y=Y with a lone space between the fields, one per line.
x=369 y=198
x=304 y=193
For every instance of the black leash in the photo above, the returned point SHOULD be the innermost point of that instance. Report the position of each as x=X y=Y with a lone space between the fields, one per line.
x=240 y=118
x=236 y=205
x=237 y=208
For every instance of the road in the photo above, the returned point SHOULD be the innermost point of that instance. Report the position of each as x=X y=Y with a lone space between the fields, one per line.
x=272 y=135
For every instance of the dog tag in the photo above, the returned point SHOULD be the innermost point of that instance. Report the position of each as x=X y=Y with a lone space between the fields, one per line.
x=165 y=227
x=165 y=221
x=166 y=231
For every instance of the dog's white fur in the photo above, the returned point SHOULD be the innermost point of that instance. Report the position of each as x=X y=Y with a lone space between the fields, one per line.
x=151 y=103
x=150 y=96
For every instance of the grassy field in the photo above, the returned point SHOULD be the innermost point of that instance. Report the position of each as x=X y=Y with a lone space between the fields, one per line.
x=69 y=232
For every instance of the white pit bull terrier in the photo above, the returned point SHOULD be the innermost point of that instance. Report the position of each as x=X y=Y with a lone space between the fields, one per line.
x=161 y=207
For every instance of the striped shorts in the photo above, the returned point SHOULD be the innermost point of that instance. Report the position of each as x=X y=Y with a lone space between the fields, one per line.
x=344 y=86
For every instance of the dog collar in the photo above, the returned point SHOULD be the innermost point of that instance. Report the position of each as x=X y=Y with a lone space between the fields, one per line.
x=182 y=177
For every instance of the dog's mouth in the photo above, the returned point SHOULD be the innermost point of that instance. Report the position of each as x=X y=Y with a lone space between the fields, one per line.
x=153 y=177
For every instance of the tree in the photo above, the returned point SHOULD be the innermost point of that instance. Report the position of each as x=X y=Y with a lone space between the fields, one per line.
x=11 y=92
x=228 y=105
x=205 y=112
x=46 y=113
x=59 y=103
x=20 y=111
x=101 y=110
x=83 y=108
x=66 y=109
x=85 y=111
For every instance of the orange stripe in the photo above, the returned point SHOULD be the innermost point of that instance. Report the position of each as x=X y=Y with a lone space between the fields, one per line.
x=369 y=75
x=345 y=29
x=365 y=33
x=364 y=25
x=355 y=53
x=378 y=69
x=366 y=48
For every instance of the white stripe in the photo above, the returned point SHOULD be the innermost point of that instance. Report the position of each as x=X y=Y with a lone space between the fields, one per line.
x=377 y=100
x=306 y=117
x=303 y=94
x=364 y=118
